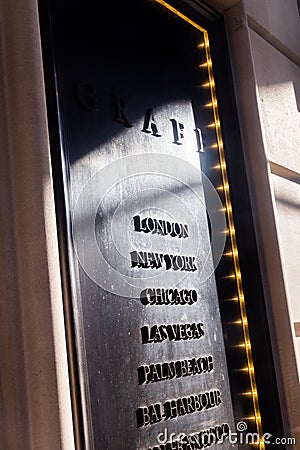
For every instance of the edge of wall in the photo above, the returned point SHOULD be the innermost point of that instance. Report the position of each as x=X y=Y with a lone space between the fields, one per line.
x=35 y=395
x=264 y=215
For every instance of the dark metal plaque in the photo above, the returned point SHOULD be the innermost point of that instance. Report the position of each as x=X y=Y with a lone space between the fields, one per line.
x=148 y=324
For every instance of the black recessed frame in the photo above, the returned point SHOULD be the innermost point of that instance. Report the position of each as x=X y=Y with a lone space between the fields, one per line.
x=265 y=376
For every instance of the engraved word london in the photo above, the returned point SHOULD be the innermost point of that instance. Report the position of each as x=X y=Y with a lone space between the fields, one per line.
x=148 y=265
x=98 y=266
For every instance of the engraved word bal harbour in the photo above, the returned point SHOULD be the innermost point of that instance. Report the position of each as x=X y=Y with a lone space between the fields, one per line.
x=147 y=313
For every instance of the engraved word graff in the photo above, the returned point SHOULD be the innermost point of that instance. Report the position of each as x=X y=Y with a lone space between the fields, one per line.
x=88 y=100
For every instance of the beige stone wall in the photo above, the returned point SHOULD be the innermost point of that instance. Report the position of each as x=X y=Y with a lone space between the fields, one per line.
x=264 y=40
x=275 y=43
x=35 y=407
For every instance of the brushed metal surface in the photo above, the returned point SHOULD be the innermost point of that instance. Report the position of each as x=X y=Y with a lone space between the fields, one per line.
x=128 y=81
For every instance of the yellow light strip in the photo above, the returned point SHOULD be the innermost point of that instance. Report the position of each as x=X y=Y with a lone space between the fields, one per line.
x=182 y=16
x=234 y=252
x=231 y=231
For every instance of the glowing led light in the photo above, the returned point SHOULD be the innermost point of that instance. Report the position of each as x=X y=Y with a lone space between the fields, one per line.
x=234 y=252
x=249 y=394
x=252 y=418
x=243 y=345
x=185 y=18
x=246 y=369
x=228 y=209
x=210 y=105
x=213 y=125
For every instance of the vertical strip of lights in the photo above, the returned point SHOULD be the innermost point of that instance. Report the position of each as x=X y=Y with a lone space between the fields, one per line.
x=231 y=229
x=234 y=249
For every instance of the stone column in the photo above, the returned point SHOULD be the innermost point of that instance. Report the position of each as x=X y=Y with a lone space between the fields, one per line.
x=34 y=391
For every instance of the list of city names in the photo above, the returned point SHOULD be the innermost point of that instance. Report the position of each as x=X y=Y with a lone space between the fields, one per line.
x=161 y=371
